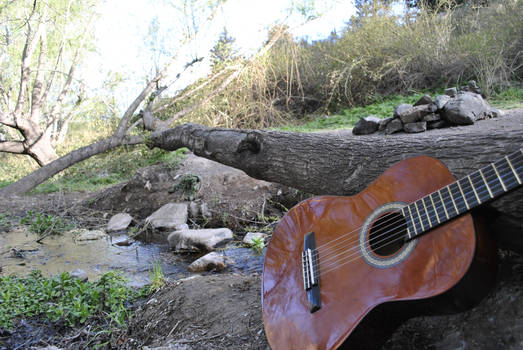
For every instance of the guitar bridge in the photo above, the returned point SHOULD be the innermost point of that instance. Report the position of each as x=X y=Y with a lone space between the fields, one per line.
x=310 y=269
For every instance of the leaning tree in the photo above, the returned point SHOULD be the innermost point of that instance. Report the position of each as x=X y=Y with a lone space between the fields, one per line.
x=41 y=45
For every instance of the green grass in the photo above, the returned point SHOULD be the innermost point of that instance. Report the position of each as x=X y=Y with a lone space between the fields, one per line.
x=108 y=169
x=65 y=298
x=508 y=98
x=382 y=108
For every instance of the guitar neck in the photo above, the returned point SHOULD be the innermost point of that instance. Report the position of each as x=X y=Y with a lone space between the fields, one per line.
x=463 y=195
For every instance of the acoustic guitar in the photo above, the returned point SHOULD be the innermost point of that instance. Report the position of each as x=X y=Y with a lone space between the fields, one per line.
x=408 y=236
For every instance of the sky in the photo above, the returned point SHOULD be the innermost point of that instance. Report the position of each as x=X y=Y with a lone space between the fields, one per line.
x=123 y=40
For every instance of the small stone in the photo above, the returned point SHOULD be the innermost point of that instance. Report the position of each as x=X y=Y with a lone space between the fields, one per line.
x=383 y=123
x=194 y=209
x=432 y=117
x=119 y=222
x=79 y=274
x=250 y=237
x=494 y=113
x=437 y=124
x=414 y=114
x=198 y=240
x=208 y=262
x=452 y=92
x=367 y=125
x=441 y=100
x=206 y=212
x=393 y=126
x=415 y=127
x=168 y=216
x=86 y=235
x=401 y=109
x=425 y=100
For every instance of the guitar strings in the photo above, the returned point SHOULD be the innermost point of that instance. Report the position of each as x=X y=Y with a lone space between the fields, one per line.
x=461 y=204
x=346 y=236
x=447 y=196
x=484 y=187
x=401 y=237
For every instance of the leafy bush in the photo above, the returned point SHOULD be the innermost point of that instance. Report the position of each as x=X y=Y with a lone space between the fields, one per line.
x=63 y=297
x=43 y=224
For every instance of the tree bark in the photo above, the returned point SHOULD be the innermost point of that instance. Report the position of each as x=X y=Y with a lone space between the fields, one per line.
x=339 y=163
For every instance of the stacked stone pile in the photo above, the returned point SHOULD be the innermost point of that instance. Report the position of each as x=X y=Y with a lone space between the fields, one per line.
x=462 y=107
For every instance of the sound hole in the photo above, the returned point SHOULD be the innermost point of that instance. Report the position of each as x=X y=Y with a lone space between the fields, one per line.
x=387 y=233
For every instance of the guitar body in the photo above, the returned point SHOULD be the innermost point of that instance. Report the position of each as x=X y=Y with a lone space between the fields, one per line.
x=352 y=282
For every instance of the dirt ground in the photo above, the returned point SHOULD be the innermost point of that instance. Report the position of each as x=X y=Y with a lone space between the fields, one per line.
x=223 y=310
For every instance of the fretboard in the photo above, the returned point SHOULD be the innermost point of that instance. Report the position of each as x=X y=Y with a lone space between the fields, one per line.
x=461 y=196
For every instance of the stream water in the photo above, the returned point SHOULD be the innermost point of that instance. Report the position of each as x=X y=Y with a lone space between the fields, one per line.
x=20 y=253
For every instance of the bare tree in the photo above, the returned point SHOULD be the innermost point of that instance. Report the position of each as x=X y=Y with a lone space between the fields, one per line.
x=39 y=56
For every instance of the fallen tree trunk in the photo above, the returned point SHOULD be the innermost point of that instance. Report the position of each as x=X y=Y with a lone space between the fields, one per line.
x=339 y=163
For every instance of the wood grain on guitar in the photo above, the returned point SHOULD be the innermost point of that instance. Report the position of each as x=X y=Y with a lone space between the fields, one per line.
x=408 y=236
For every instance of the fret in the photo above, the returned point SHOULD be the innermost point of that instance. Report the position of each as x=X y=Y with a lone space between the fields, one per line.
x=481 y=187
x=463 y=195
x=407 y=221
x=435 y=209
x=417 y=223
x=468 y=191
x=486 y=184
x=474 y=189
x=513 y=170
x=499 y=177
x=459 y=201
x=454 y=206
x=493 y=181
x=412 y=220
x=516 y=161
x=432 y=222
x=420 y=218
x=443 y=205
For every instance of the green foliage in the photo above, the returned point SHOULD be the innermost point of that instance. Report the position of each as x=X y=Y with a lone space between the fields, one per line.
x=157 y=278
x=382 y=107
x=257 y=245
x=188 y=185
x=508 y=98
x=63 y=297
x=43 y=224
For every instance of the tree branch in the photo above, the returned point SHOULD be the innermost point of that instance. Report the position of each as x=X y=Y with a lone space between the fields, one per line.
x=16 y=147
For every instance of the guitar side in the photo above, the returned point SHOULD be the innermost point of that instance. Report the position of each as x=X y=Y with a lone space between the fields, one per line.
x=352 y=287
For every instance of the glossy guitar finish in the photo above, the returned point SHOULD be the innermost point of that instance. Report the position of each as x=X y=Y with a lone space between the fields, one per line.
x=440 y=259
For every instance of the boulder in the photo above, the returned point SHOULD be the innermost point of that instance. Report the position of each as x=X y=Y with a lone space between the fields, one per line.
x=465 y=109
x=208 y=262
x=89 y=235
x=198 y=240
x=119 y=222
x=441 y=100
x=415 y=127
x=169 y=216
x=425 y=100
x=251 y=236
x=367 y=125
x=393 y=126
